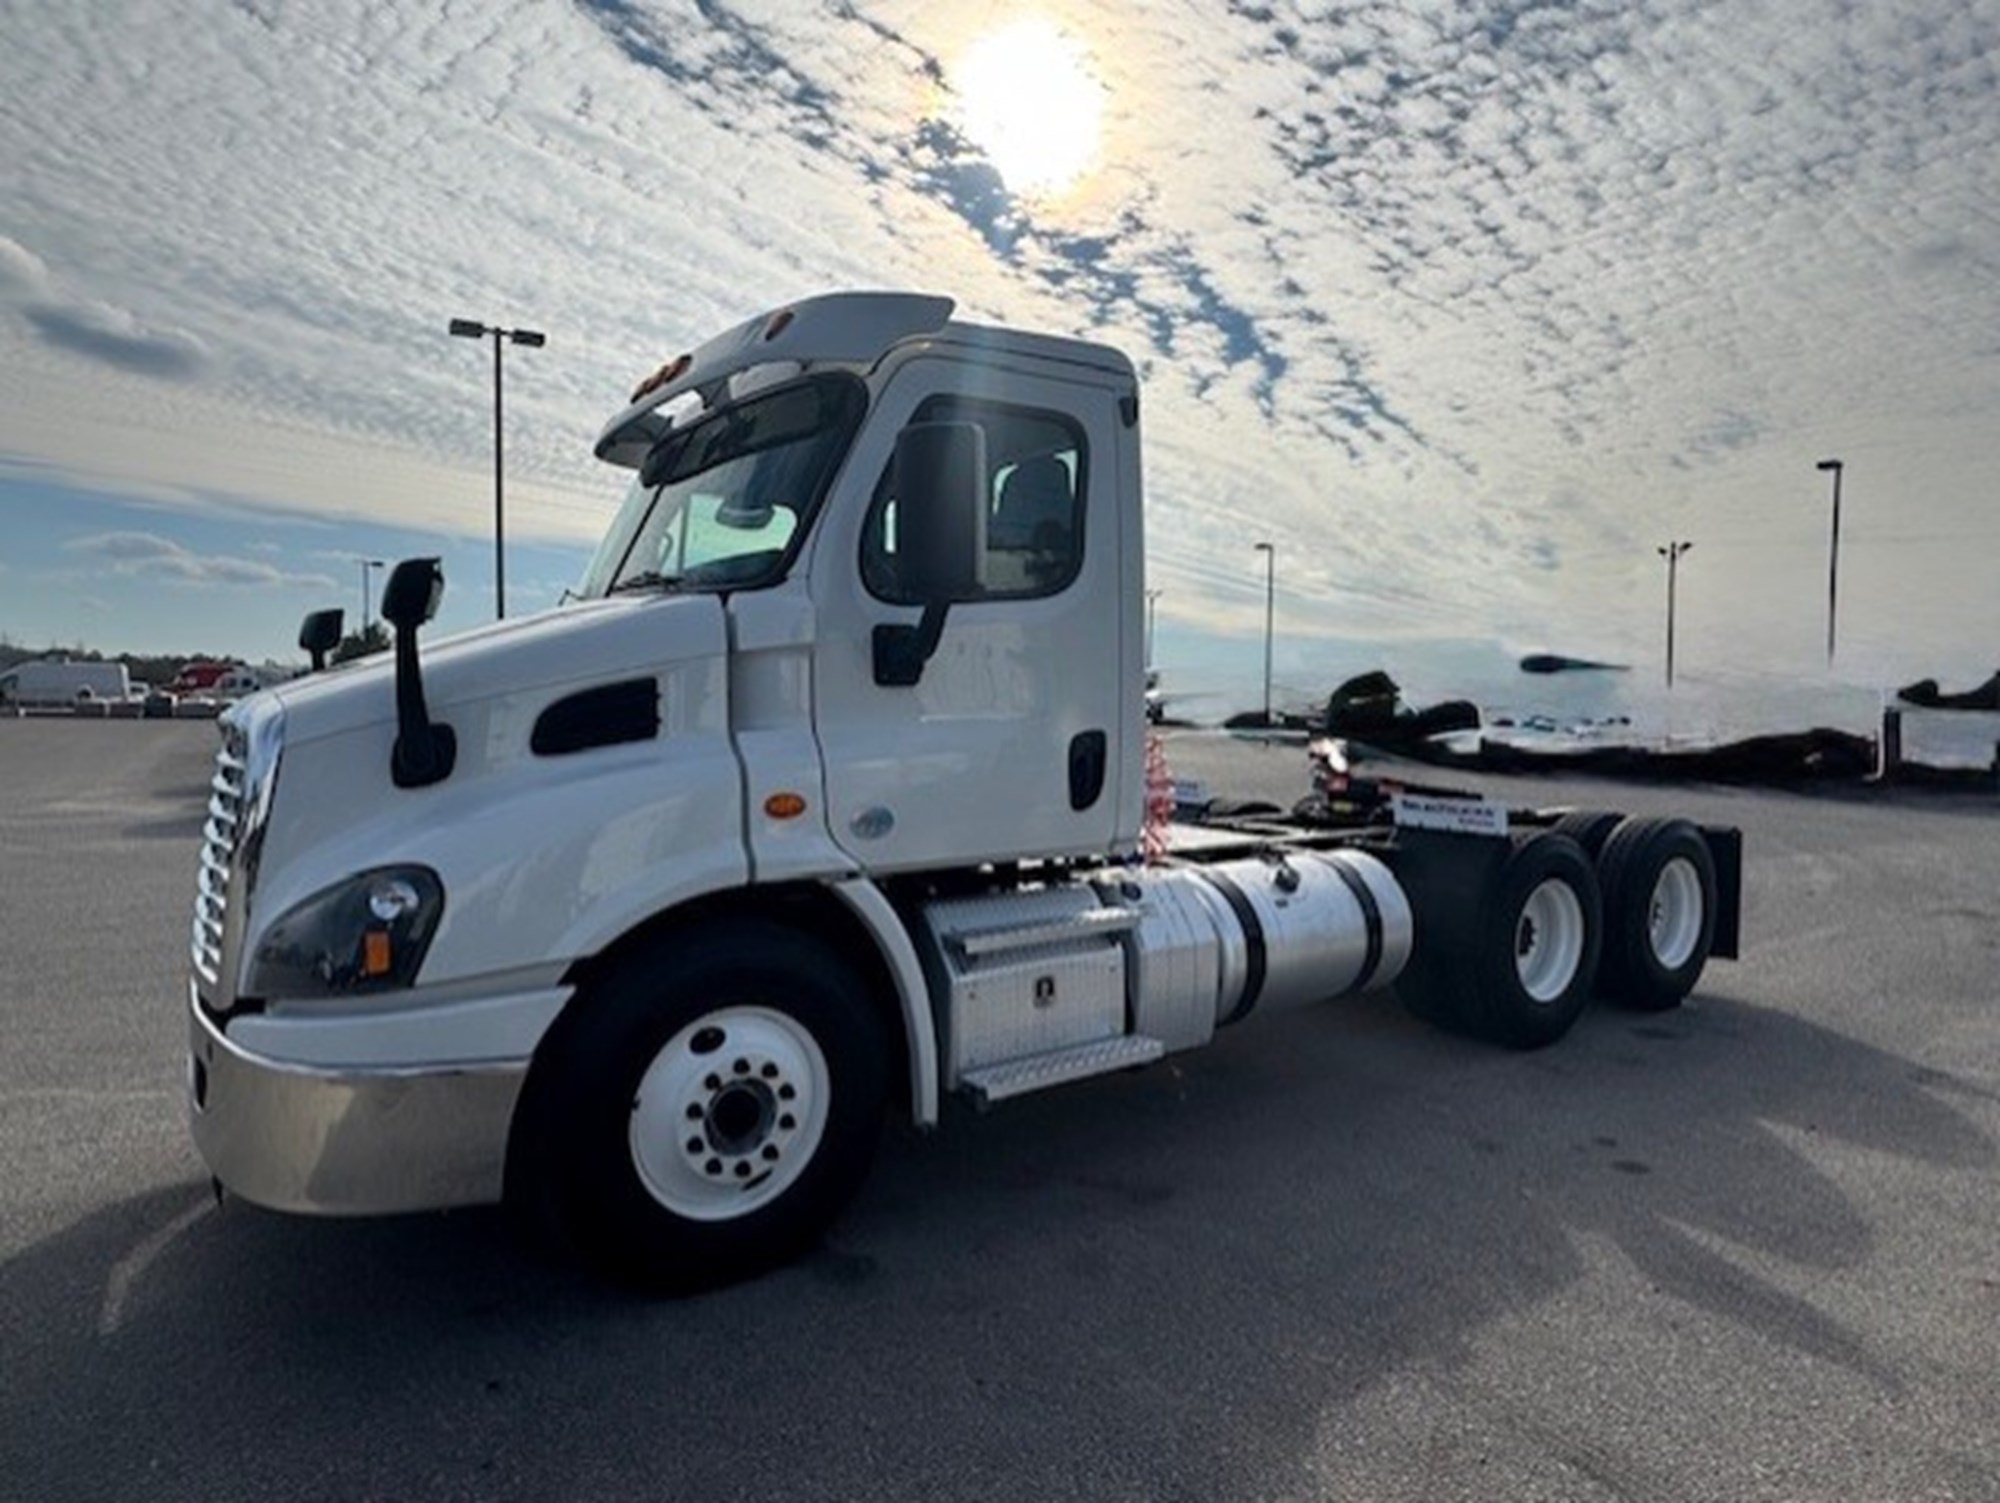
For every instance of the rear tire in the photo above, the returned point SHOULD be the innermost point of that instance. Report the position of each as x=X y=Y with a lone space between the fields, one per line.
x=1589 y=828
x=708 y=1108
x=1518 y=971
x=1659 y=912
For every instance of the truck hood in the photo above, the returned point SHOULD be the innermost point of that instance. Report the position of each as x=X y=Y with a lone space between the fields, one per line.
x=529 y=661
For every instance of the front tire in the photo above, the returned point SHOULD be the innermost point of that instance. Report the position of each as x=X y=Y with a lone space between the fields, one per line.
x=707 y=1109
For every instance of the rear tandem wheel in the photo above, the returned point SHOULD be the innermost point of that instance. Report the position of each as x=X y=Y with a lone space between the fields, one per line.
x=1659 y=912
x=1518 y=970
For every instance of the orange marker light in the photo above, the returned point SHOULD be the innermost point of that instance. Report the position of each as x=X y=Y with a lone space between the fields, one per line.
x=662 y=376
x=375 y=953
x=785 y=805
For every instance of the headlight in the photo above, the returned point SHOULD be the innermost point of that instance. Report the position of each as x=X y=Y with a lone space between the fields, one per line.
x=366 y=934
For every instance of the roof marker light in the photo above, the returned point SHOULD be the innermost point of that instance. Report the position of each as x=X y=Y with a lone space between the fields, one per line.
x=660 y=377
x=780 y=321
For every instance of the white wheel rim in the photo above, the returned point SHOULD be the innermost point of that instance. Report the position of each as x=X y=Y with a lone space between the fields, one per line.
x=1674 y=914
x=729 y=1113
x=1548 y=940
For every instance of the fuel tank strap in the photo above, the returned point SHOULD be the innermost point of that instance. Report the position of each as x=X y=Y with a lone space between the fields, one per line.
x=1371 y=915
x=1254 y=960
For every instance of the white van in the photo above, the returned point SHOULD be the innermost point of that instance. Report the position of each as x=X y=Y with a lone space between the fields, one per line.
x=55 y=682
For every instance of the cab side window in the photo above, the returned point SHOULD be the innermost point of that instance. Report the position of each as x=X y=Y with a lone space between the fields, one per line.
x=1034 y=499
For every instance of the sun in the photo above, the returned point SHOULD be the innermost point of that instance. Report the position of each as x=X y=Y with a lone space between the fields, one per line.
x=1029 y=101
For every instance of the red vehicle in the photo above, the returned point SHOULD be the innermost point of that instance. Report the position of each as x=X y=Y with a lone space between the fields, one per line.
x=199 y=677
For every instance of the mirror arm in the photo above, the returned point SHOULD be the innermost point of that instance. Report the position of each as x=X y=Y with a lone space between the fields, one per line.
x=424 y=753
x=902 y=650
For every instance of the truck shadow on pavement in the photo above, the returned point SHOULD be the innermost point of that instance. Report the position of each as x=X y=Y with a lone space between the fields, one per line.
x=1160 y=1286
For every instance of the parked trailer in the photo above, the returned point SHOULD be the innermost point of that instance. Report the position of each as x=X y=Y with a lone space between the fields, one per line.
x=827 y=796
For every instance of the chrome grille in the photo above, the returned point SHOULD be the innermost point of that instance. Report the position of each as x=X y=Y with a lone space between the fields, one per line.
x=228 y=790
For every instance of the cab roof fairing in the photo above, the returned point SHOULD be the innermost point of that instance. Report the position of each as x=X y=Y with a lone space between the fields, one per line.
x=848 y=328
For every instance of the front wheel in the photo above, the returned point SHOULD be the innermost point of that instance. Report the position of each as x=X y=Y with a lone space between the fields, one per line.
x=708 y=1107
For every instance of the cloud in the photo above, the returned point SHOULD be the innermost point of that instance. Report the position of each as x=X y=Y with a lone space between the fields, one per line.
x=93 y=329
x=148 y=553
x=115 y=337
x=21 y=270
x=1396 y=278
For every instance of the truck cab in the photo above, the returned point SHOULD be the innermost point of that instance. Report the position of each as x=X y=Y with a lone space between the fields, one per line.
x=765 y=481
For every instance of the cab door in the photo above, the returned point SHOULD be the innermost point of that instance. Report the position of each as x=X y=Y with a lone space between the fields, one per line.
x=1011 y=741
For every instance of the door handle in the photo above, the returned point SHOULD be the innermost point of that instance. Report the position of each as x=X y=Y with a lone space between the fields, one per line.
x=1088 y=754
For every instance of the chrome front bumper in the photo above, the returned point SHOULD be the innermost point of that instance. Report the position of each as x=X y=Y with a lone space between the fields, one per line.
x=349 y=1141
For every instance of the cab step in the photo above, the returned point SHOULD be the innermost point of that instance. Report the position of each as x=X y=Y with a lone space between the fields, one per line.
x=1038 y=1072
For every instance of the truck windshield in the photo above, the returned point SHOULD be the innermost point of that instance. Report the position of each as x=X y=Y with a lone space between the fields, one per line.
x=722 y=502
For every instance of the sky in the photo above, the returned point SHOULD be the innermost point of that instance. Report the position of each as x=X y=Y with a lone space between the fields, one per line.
x=1467 y=308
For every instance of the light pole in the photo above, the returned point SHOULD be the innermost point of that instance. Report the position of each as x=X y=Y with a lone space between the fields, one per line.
x=1833 y=561
x=1270 y=552
x=467 y=328
x=1152 y=601
x=1672 y=554
x=366 y=564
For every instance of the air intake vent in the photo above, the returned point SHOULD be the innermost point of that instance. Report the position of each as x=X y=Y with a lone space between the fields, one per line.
x=604 y=716
x=219 y=838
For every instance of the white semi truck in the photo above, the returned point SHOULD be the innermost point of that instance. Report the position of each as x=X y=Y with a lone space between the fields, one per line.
x=827 y=798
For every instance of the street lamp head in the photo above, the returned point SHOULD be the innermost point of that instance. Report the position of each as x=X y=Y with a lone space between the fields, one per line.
x=1828 y=464
x=1266 y=547
x=471 y=328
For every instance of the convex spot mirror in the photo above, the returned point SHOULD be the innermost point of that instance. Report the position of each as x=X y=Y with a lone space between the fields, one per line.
x=320 y=633
x=415 y=587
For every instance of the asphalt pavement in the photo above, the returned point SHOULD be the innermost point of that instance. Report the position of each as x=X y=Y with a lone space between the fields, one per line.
x=1749 y=1249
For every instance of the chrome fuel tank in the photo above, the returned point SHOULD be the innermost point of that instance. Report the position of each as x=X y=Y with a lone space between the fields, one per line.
x=1308 y=925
